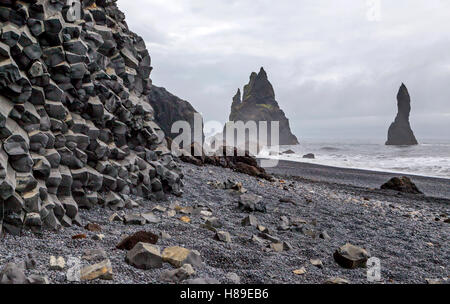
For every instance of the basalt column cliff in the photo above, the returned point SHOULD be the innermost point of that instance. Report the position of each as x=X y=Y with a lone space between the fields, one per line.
x=75 y=126
x=258 y=104
x=400 y=132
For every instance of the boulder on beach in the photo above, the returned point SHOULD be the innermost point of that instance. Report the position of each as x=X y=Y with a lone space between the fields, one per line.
x=400 y=132
x=401 y=184
x=309 y=156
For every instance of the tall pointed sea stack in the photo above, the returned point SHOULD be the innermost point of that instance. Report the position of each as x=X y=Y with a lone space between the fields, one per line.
x=400 y=132
x=258 y=104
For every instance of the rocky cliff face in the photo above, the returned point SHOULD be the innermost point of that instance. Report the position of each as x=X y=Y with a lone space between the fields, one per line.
x=75 y=127
x=258 y=103
x=400 y=132
x=170 y=109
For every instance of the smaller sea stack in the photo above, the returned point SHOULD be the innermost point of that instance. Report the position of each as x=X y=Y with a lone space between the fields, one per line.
x=400 y=132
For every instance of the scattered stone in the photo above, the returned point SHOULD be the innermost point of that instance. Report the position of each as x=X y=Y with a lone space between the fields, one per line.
x=185 y=219
x=257 y=240
x=94 y=255
x=324 y=235
x=134 y=219
x=98 y=237
x=93 y=227
x=402 y=184
x=269 y=237
x=232 y=185
x=151 y=218
x=288 y=200
x=213 y=223
x=316 y=262
x=287 y=246
x=284 y=224
x=164 y=235
x=251 y=203
x=79 y=236
x=129 y=242
x=57 y=263
x=178 y=256
x=277 y=247
x=233 y=278
x=433 y=281
x=102 y=270
x=300 y=271
x=336 y=280
x=309 y=156
x=12 y=274
x=177 y=275
x=250 y=220
x=145 y=256
x=288 y=152
x=38 y=280
x=30 y=262
x=223 y=236
x=115 y=218
x=351 y=257
x=159 y=208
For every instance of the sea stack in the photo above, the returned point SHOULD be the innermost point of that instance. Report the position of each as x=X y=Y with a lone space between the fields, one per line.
x=258 y=103
x=400 y=132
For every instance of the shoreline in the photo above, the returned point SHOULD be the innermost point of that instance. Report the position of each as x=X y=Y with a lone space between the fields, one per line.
x=432 y=186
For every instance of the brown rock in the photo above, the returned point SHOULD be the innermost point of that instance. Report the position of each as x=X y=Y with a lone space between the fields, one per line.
x=79 y=236
x=351 y=257
x=93 y=227
x=102 y=270
x=402 y=184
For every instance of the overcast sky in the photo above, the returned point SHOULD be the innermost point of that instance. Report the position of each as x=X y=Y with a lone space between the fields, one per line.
x=336 y=66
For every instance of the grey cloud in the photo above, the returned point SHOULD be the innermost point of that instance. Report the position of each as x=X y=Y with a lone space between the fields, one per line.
x=334 y=72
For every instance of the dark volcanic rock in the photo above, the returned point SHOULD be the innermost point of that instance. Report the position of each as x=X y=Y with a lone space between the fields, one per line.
x=258 y=104
x=227 y=157
x=351 y=257
x=74 y=115
x=170 y=109
x=309 y=156
x=402 y=184
x=141 y=236
x=400 y=132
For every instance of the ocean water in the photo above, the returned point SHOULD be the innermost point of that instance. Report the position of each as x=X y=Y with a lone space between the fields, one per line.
x=431 y=158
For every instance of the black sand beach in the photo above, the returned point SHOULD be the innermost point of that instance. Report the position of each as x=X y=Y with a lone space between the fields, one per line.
x=408 y=233
x=431 y=186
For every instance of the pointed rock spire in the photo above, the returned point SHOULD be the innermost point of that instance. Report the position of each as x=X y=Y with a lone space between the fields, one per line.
x=400 y=132
x=259 y=88
x=237 y=99
x=258 y=104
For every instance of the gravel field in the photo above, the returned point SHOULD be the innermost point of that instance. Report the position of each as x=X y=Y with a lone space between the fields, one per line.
x=407 y=233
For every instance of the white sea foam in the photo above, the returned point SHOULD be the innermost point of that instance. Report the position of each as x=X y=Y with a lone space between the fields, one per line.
x=428 y=159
